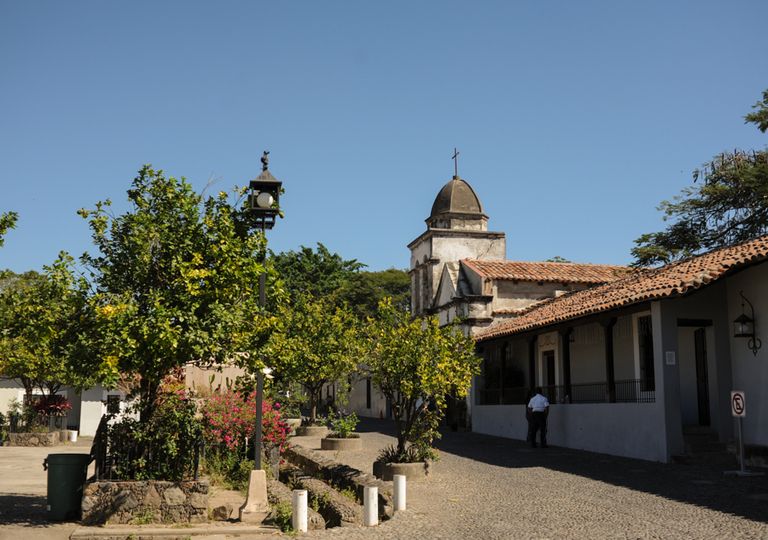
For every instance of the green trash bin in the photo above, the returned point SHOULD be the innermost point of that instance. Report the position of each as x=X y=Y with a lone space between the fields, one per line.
x=66 y=478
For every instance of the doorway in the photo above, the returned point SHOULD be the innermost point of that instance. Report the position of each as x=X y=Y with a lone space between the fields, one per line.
x=702 y=377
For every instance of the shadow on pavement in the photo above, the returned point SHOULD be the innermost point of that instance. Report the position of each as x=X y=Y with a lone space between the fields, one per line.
x=746 y=496
x=24 y=510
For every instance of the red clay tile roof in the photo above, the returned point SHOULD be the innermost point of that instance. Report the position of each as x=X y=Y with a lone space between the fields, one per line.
x=547 y=271
x=676 y=279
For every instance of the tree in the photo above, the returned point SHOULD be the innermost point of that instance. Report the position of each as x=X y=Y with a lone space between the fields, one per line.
x=35 y=320
x=313 y=343
x=416 y=363
x=364 y=290
x=7 y=221
x=173 y=283
x=729 y=206
x=318 y=274
x=759 y=118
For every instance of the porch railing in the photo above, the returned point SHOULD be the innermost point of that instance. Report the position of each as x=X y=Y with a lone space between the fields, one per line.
x=627 y=391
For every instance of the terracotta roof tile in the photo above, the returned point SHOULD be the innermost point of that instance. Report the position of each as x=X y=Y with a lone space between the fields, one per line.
x=547 y=271
x=674 y=279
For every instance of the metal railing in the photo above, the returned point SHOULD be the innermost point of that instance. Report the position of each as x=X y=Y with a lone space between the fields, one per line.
x=39 y=423
x=116 y=460
x=626 y=391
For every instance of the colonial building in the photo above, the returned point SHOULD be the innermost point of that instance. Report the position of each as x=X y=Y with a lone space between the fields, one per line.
x=459 y=268
x=642 y=366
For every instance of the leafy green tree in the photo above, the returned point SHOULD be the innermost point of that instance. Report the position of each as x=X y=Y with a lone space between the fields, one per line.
x=319 y=274
x=7 y=221
x=760 y=117
x=363 y=291
x=416 y=363
x=35 y=320
x=313 y=343
x=10 y=280
x=175 y=282
x=729 y=206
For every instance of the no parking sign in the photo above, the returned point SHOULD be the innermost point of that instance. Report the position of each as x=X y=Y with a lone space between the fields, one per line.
x=738 y=404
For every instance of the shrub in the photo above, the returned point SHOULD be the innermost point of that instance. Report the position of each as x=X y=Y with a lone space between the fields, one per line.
x=229 y=418
x=52 y=405
x=229 y=421
x=342 y=424
x=161 y=446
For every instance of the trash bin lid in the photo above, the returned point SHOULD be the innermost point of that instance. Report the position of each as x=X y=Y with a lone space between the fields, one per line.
x=68 y=459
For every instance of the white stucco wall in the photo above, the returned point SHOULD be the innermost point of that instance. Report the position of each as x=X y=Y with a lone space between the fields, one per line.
x=750 y=372
x=9 y=390
x=621 y=429
x=357 y=401
x=587 y=363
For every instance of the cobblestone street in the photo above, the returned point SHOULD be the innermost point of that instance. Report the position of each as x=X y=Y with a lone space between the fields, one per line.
x=492 y=488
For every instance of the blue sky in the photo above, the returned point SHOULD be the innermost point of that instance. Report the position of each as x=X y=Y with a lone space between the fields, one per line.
x=573 y=119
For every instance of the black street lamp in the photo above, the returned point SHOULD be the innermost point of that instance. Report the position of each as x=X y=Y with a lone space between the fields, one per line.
x=265 y=205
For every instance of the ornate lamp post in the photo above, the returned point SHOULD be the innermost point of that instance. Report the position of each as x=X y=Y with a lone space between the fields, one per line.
x=265 y=205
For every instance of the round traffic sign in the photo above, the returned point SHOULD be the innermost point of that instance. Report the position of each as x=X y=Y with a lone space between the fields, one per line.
x=738 y=404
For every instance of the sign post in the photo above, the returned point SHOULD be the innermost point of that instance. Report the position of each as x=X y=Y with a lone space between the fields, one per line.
x=739 y=410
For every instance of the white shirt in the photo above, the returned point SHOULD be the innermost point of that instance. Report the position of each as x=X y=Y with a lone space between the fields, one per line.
x=538 y=403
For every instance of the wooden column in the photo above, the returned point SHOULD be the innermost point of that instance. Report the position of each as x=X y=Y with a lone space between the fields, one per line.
x=610 y=374
x=503 y=362
x=565 y=335
x=532 y=341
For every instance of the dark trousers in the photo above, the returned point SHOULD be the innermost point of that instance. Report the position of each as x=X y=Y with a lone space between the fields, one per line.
x=538 y=422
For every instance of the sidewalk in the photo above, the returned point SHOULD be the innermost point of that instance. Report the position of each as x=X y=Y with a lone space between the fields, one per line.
x=485 y=488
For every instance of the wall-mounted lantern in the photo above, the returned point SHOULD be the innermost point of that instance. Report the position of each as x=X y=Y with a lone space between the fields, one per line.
x=744 y=326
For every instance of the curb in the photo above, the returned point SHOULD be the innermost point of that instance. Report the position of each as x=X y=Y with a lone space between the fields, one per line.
x=151 y=533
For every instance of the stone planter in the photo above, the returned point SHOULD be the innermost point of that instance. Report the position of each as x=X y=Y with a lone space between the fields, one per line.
x=311 y=431
x=349 y=444
x=411 y=471
x=293 y=423
x=35 y=439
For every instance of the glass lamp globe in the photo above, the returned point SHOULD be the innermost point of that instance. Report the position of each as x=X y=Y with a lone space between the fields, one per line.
x=264 y=200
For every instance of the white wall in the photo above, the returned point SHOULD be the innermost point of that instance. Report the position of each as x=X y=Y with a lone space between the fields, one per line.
x=9 y=390
x=621 y=429
x=357 y=401
x=750 y=372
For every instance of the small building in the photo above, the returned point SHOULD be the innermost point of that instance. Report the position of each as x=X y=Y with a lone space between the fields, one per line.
x=633 y=365
x=88 y=406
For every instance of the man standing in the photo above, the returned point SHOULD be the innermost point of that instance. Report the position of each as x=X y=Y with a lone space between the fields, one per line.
x=538 y=407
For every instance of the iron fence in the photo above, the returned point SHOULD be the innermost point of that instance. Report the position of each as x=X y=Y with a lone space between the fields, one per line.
x=141 y=460
x=40 y=423
x=626 y=391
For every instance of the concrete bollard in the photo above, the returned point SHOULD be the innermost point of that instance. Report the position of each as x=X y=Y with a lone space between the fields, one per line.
x=371 y=503
x=399 y=485
x=299 y=521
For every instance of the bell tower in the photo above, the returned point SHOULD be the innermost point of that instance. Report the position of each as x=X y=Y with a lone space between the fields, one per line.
x=457 y=228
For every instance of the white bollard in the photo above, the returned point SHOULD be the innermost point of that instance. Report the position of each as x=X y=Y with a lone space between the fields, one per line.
x=299 y=521
x=371 y=502
x=399 y=481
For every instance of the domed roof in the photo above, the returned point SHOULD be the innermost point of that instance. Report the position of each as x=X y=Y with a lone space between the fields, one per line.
x=457 y=196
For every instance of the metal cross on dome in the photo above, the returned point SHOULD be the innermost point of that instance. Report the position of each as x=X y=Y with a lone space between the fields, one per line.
x=456 y=161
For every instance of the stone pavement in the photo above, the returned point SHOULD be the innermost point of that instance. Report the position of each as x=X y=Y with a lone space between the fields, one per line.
x=492 y=488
